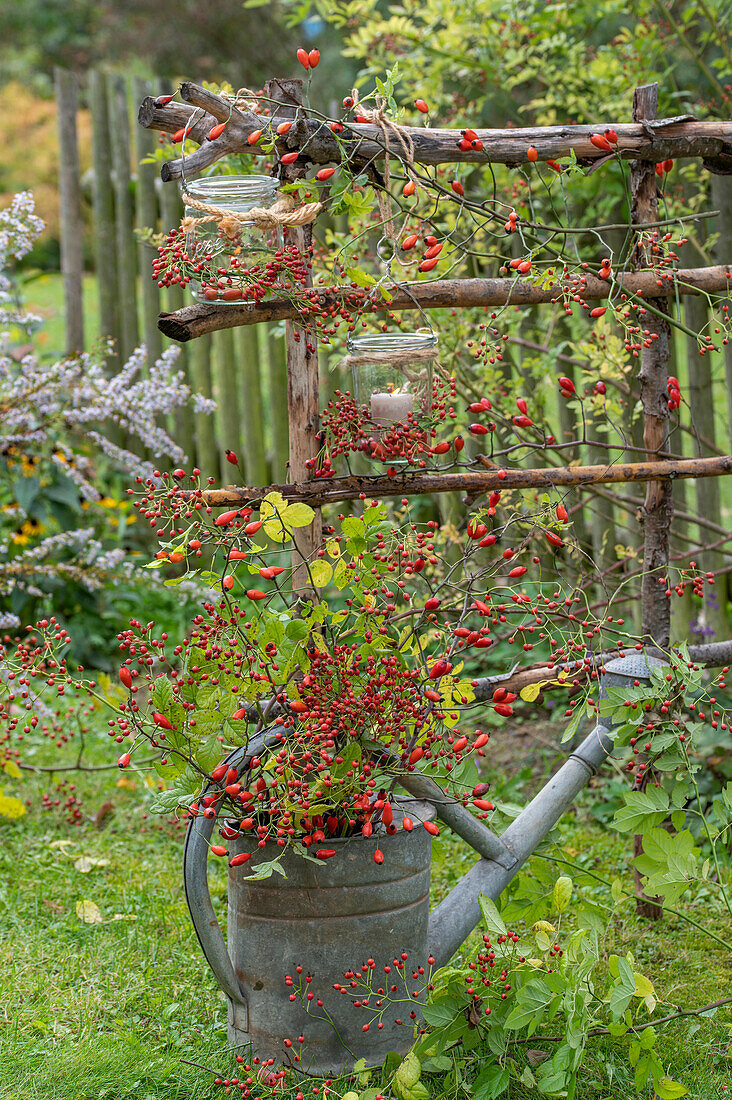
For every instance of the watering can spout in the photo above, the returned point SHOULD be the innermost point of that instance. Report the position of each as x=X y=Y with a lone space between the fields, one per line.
x=459 y=913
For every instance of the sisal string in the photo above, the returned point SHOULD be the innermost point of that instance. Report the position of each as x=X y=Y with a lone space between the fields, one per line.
x=377 y=116
x=400 y=360
x=283 y=212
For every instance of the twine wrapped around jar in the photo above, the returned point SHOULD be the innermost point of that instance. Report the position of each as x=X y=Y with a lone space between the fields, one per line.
x=283 y=212
x=399 y=359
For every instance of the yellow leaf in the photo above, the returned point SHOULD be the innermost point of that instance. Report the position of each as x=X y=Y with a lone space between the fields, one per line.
x=126 y=783
x=531 y=691
x=11 y=807
x=88 y=912
x=643 y=985
x=542 y=926
x=12 y=769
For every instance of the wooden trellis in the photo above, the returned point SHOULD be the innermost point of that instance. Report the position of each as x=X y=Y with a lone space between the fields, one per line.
x=644 y=142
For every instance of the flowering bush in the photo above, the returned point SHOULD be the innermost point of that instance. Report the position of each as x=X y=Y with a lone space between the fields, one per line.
x=362 y=677
x=56 y=424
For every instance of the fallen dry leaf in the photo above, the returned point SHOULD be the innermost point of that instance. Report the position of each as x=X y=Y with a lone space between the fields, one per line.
x=88 y=863
x=88 y=912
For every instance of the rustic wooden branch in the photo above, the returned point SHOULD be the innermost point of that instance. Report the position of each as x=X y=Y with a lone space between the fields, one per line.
x=709 y=655
x=652 y=141
x=196 y=320
x=334 y=490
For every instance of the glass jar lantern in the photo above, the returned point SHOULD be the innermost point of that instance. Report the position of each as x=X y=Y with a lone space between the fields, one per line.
x=392 y=375
x=236 y=260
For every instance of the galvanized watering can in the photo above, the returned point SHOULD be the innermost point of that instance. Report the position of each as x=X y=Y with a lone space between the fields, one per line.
x=330 y=919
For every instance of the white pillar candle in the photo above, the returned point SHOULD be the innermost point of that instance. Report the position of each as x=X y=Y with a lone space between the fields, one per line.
x=390 y=408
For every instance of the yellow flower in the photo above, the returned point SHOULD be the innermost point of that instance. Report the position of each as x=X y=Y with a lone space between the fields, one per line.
x=30 y=527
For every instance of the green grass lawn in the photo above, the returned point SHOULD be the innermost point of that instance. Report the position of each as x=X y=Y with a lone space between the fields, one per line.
x=43 y=295
x=106 y=1011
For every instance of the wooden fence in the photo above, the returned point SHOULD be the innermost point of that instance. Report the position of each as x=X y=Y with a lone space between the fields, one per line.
x=123 y=210
x=242 y=352
x=643 y=143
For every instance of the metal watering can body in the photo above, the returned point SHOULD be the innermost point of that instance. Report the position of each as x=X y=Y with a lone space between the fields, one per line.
x=331 y=918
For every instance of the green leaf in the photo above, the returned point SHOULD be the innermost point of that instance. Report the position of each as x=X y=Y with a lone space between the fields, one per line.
x=25 y=490
x=359 y=277
x=529 y=1004
x=209 y=754
x=208 y=721
x=666 y=1089
x=624 y=989
x=162 y=694
x=669 y=862
x=353 y=526
x=297 y=630
x=562 y=893
x=442 y=1012
x=642 y=810
x=173 y=582
x=374 y=514
x=172 y=769
x=298 y=515
x=264 y=870
x=406 y=1083
x=491 y=916
x=491 y=1082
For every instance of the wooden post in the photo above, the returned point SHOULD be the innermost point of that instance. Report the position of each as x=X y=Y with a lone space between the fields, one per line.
x=105 y=244
x=302 y=365
x=72 y=238
x=658 y=506
x=119 y=130
x=146 y=209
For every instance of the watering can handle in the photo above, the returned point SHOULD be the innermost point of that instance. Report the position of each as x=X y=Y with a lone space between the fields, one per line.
x=198 y=898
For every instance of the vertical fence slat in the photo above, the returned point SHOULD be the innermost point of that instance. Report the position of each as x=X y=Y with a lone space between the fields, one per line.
x=722 y=201
x=146 y=209
x=171 y=209
x=278 y=404
x=226 y=390
x=105 y=242
x=252 y=408
x=706 y=489
x=72 y=237
x=119 y=131
x=207 y=453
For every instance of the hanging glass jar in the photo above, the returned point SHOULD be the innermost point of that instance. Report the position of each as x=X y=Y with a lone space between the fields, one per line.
x=234 y=258
x=392 y=374
x=392 y=386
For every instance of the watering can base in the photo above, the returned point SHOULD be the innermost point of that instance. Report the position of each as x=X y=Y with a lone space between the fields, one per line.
x=318 y=1059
